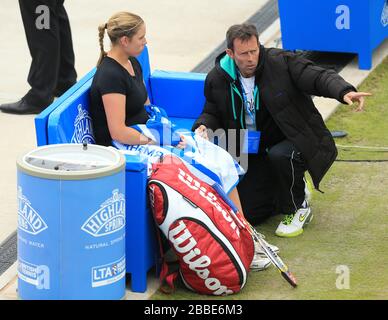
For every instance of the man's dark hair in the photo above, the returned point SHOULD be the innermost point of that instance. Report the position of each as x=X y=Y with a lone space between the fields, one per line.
x=240 y=31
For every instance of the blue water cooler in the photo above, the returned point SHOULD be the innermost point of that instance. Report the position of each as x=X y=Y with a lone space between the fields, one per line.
x=71 y=223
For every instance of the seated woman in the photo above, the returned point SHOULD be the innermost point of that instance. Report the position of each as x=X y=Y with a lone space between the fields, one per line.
x=118 y=96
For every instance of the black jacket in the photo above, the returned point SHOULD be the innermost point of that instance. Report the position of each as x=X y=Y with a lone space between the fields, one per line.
x=285 y=81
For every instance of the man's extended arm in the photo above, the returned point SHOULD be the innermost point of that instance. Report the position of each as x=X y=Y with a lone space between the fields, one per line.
x=315 y=80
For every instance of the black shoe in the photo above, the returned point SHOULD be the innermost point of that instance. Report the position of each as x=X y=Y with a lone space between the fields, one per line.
x=21 y=107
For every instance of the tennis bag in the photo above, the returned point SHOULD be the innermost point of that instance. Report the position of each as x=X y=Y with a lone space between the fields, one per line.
x=213 y=246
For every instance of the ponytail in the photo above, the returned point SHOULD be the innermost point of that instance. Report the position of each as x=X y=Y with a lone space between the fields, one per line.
x=101 y=33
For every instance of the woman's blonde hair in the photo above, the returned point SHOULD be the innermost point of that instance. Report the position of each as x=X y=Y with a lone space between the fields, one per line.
x=119 y=25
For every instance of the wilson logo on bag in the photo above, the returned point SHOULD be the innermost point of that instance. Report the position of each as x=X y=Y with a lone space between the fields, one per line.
x=213 y=246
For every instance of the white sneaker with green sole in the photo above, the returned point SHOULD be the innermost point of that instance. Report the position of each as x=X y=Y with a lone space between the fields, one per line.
x=292 y=224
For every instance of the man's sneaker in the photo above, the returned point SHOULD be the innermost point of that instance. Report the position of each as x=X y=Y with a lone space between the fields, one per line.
x=292 y=224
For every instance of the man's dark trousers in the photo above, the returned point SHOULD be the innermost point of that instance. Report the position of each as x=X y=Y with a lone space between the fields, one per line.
x=274 y=182
x=52 y=67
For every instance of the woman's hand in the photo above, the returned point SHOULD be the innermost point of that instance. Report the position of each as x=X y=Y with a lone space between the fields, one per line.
x=182 y=144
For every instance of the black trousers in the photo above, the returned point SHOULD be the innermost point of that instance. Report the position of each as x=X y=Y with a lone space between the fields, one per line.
x=274 y=183
x=52 y=66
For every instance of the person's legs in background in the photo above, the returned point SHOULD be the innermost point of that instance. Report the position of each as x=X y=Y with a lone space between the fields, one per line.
x=49 y=66
x=67 y=75
x=44 y=48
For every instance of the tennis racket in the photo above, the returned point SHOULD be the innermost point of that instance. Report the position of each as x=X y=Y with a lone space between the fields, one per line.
x=271 y=255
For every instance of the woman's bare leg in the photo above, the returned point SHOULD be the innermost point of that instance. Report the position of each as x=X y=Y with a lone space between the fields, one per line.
x=233 y=195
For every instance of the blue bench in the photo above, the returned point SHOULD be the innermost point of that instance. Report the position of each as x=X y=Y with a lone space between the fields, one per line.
x=67 y=120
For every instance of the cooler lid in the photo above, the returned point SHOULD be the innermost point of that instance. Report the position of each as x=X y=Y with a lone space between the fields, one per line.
x=71 y=161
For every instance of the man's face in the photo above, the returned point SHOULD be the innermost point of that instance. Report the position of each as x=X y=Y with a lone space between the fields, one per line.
x=246 y=55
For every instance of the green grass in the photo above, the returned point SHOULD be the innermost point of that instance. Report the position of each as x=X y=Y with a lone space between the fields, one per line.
x=350 y=225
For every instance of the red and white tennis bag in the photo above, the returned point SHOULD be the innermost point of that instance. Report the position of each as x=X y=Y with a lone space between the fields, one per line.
x=213 y=246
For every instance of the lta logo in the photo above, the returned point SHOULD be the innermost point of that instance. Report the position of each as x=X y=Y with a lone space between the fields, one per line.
x=109 y=218
x=108 y=274
x=28 y=219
